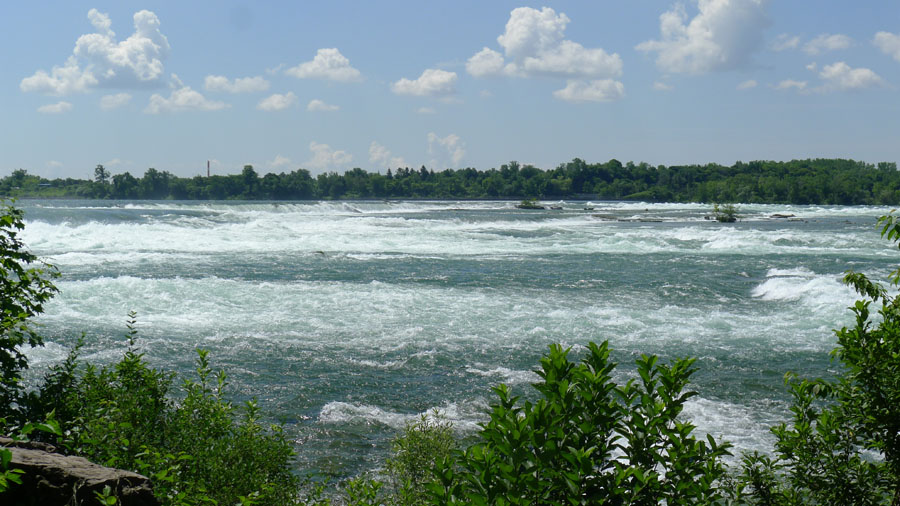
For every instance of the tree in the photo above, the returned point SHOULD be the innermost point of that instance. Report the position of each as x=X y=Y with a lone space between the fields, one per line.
x=101 y=175
x=25 y=285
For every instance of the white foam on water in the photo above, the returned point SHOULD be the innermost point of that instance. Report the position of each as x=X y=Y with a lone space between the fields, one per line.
x=743 y=426
x=825 y=292
x=49 y=353
x=464 y=417
x=506 y=375
x=260 y=229
x=387 y=365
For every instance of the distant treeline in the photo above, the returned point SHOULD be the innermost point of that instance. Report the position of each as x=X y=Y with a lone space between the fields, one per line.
x=819 y=181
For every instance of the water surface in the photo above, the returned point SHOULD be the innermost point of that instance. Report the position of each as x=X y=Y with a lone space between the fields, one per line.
x=347 y=319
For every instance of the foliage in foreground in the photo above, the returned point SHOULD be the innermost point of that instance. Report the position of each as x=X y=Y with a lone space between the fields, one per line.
x=25 y=285
x=589 y=441
x=200 y=450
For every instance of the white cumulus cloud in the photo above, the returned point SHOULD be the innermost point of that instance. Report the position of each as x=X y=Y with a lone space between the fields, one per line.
x=426 y=110
x=791 y=84
x=279 y=161
x=451 y=146
x=534 y=42
x=182 y=98
x=381 y=156
x=888 y=43
x=326 y=158
x=748 y=84
x=318 y=105
x=432 y=83
x=329 y=64
x=842 y=77
x=277 y=102
x=601 y=90
x=99 y=60
x=487 y=62
x=238 y=85
x=827 y=42
x=784 y=42
x=57 y=108
x=109 y=102
x=661 y=86
x=722 y=36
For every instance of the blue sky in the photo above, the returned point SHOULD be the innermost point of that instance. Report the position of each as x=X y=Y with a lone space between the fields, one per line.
x=335 y=85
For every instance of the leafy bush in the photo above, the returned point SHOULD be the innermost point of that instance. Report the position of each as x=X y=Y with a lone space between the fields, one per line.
x=200 y=450
x=415 y=453
x=725 y=213
x=588 y=441
x=25 y=285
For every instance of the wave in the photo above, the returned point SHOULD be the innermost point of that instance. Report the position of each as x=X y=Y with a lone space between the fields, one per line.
x=464 y=417
x=802 y=285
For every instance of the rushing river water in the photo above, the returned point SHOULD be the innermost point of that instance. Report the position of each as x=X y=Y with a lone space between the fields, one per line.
x=347 y=319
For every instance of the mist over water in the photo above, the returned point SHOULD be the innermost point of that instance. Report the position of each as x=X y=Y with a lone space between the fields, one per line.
x=347 y=319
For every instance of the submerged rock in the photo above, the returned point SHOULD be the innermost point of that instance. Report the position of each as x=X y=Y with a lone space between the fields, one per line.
x=52 y=478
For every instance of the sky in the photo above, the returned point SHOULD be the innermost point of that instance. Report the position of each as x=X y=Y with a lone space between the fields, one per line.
x=328 y=86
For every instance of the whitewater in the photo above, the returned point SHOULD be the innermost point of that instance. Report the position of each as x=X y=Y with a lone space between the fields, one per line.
x=346 y=320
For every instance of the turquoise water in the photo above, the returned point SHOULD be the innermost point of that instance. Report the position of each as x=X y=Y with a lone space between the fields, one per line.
x=348 y=319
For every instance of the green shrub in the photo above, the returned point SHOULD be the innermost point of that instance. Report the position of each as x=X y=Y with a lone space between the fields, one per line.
x=200 y=450
x=414 y=454
x=588 y=441
x=25 y=285
x=725 y=213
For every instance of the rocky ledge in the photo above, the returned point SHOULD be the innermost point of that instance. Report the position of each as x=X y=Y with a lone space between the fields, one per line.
x=52 y=478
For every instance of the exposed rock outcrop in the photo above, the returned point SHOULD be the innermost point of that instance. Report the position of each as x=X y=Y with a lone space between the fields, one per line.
x=52 y=478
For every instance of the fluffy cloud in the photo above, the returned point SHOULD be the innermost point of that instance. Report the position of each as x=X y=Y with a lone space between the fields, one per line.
x=318 y=105
x=661 y=86
x=722 y=36
x=381 y=156
x=789 y=84
x=239 y=85
x=784 y=42
x=535 y=44
x=425 y=110
x=100 y=61
x=826 y=42
x=329 y=64
x=888 y=43
x=841 y=77
x=748 y=84
x=277 y=102
x=451 y=146
x=109 y=102
x=488 y=62
x=601 y=90
x=432 y=83
x=57 y=108
x=279 y=161
x=182 y=98
x=325 y=158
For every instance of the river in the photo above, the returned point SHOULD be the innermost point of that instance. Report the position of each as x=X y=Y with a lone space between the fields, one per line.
x=348 y=319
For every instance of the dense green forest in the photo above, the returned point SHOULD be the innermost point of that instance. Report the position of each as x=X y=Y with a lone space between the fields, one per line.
x=813 y=181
